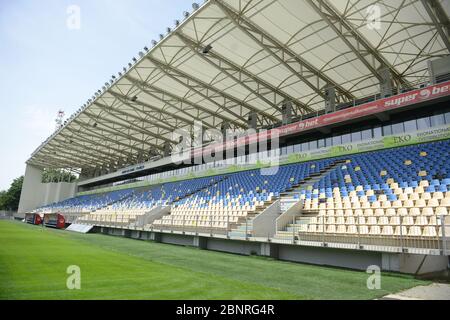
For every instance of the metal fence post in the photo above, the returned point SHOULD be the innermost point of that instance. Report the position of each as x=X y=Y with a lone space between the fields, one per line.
x=196 y=224
x=444 y=237
x=401 y=234
x=246 y=228
x=293 y=229
x=210 y=225
x=359 y=233
x=323 y=231
x=228 y=223
x=183 y=228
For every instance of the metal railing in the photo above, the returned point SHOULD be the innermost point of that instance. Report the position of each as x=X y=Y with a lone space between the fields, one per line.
x=437 y=242
x=197 y=224
x=325 y=235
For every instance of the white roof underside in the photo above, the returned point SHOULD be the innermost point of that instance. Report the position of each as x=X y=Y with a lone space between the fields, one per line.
x=264 y=52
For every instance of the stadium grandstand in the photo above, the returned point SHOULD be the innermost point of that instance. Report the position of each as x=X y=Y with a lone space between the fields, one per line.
x=323 y=138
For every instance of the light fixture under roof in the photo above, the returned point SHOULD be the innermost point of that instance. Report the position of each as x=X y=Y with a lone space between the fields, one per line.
x=186 y=14
x=207 y=49
x=154 y=42
x=169 y=30
x=195 y=6
x=177 y=22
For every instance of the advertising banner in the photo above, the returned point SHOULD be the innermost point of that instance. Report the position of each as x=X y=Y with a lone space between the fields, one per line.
x=378 y=106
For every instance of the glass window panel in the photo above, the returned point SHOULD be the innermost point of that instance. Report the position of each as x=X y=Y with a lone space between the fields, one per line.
x=398 y=128
x=447 y=118
x=305 y=146
x=356 y=136
x=337 y=140
x=437 y=120
x=366 y=134
x=346 y=138
x=321 y=143
x=313 y=145
x=387 y=130
x=423 y=123
x=410 y=126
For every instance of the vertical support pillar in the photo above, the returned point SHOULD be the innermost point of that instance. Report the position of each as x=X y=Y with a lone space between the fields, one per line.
x=252 y=120
x=330 y=99
x=386 y=88
x=287 y=112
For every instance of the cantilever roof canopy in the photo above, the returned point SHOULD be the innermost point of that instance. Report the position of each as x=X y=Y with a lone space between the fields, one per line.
x=232 y=58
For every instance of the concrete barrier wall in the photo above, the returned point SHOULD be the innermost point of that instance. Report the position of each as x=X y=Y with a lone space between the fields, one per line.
x=343 y=258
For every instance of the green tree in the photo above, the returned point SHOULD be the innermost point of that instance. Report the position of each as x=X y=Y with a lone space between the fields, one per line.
x=2 y=200
x=57 y=175
x=9 y=200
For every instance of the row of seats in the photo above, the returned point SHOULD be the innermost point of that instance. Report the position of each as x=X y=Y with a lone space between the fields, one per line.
x=401 y=211
x=382 y=221
x=382 y=192
x=374 y=230
x=86 y=203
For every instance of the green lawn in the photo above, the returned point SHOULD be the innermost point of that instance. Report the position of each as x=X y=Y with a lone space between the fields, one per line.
x=33 y=263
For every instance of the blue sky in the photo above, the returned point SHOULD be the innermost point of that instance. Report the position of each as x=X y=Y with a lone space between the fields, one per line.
x=45 y=66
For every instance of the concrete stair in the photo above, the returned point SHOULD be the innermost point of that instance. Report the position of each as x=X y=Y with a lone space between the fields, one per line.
x=288 y=198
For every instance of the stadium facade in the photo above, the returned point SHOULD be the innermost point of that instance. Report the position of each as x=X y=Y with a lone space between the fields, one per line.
x=324 y=131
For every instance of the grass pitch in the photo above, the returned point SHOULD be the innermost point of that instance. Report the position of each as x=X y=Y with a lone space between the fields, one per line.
x=34 y=260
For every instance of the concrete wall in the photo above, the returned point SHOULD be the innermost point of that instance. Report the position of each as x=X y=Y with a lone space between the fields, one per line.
x=32 y=194
x=352 y=259
x=56 y=192
x=344 y=258
x=233 y=246
x=35 y=193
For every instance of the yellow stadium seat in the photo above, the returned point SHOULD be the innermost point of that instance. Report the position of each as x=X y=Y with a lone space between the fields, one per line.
x=415 y=231
x=429 y=231
x=427 y=211
x=441 y=211
x=387 y=231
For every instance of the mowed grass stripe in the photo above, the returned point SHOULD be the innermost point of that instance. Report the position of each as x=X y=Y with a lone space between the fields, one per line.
x=33 y=265
x=276 y=279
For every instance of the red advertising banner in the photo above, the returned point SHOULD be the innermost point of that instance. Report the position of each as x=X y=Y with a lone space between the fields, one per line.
x=382 y=105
